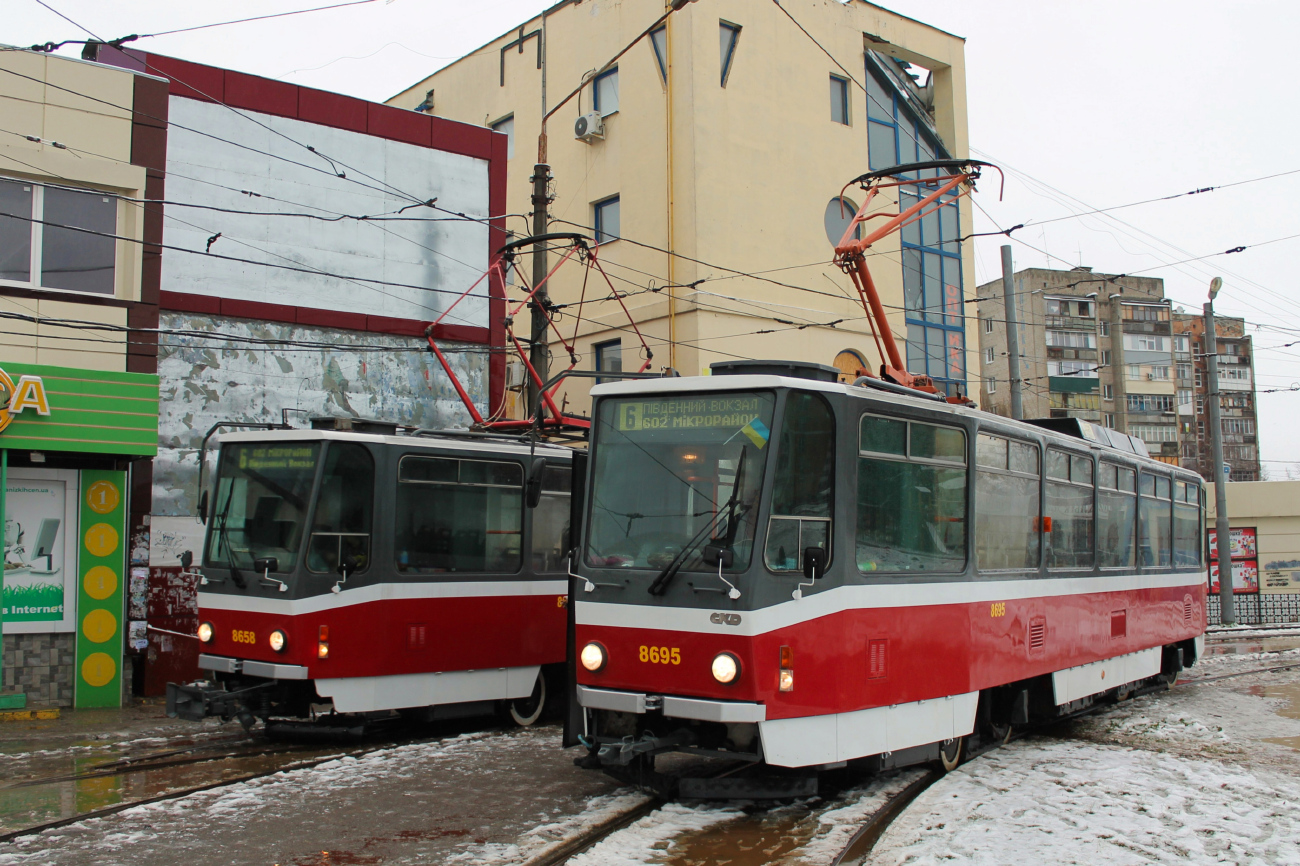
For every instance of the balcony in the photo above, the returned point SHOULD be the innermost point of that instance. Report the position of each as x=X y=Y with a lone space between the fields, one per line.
x=1069 y=323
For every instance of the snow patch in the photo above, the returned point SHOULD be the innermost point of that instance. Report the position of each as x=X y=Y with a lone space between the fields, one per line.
x=1175 y=726
x=652 y=835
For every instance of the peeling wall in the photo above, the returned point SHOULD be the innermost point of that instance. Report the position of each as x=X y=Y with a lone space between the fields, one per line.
x=206 y=380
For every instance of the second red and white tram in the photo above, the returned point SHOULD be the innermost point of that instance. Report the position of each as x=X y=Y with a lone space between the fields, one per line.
x=358 y=573
x=782 y=568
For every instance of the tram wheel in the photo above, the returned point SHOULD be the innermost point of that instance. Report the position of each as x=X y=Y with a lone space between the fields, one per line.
x=526 y=711
x=950 y=754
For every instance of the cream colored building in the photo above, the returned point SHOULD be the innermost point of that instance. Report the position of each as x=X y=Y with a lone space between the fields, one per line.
x=66 y=134
x=727 y=136
x=1271 y=509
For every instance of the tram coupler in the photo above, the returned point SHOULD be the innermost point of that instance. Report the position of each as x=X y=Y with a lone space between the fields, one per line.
x=625 y=751
x=203 y=699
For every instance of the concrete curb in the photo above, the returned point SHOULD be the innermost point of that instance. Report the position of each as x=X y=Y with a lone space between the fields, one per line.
x=27 y=715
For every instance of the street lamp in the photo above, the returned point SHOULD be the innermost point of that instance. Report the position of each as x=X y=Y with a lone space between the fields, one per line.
x=1227 y=615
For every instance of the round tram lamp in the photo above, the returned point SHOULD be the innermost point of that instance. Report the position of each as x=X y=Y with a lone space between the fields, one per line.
x=278 y=640
x=726 y=668
x=593 y=657
x=205 y=632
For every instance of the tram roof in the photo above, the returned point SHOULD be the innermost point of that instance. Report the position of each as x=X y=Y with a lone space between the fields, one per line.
x=696 y=384
x=431 y=440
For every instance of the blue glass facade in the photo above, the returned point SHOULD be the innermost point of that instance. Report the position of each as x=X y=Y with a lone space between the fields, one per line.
x=932 y=277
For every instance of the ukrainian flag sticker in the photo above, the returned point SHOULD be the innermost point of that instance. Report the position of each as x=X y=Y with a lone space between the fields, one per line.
x=757 y=432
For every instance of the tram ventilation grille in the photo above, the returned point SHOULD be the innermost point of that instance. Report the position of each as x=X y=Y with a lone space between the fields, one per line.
x=1188 y=610
x=876 y=658
x=1037 y=635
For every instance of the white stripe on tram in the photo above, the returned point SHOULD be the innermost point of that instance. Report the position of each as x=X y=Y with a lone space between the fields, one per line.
x=820 y=604
x=382 y=592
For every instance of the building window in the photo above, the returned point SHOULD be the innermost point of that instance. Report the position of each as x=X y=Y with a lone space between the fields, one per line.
x=1109 y=420
x=1105 y=357
x=604 y=93
x=991 y=385
x=840 y=100
x=989 y=354
x=607 y=213
x=1108 y=392
x=728 y=36
x=609 y=357
x=1184 y=397
x=506 y=126
x=1103 y=327
x=659 y=43
x=54 y=254
x=988 y=325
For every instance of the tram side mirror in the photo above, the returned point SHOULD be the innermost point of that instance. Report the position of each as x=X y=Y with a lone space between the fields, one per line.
x=533 y=488
x=717 y=555
x=203 y=507
x=265 y=564
x=187 y=559
x=814 y=562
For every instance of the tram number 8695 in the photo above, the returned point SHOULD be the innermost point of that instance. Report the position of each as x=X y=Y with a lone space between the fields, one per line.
x=661 y=655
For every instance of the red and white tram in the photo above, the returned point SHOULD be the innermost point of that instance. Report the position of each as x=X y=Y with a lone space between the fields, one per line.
x=780 y=567
x=372 y=570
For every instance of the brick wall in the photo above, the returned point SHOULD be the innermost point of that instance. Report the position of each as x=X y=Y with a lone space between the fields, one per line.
x=41 y=666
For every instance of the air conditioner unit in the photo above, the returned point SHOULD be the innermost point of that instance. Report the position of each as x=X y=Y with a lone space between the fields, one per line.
x=589 y=127
x=1151 y=375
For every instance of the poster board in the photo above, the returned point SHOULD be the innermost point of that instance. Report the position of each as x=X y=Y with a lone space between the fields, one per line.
x=40 y=550
x=1243 y=549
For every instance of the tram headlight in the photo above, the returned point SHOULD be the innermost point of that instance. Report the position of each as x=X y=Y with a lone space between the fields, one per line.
x=726 y=668
x=205 y=632
x=593 y=657
x=278 y=640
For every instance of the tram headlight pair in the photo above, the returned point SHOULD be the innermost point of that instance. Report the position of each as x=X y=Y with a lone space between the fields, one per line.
x=278 y=640
x=593 y=657
x=205 y=632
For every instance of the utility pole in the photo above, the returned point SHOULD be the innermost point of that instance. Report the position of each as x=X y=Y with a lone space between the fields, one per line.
x=1118 y=369
x=1227 y=614
x=1013 y=336
x=539 y=354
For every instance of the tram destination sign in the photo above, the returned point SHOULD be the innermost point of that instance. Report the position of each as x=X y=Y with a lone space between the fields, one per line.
x=259 y=457
x=734 y=412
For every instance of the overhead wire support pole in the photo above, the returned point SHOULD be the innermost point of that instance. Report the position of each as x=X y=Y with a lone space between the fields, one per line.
x=539 y=352
x=1222 y=531
x=1013 y=335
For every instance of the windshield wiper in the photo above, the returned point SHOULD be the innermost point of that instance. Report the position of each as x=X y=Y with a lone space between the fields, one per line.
x=730 y=509
x=225 y=541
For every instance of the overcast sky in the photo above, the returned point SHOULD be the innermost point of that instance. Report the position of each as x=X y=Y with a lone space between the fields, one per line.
x=1087 y=105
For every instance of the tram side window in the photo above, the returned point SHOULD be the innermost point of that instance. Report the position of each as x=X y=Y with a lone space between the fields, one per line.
x=1187 y=524
x=1116 y=516
x=340 y=533
x=803 y=490
x=458 y=515
x=1007 y=513
x=911 y=496
x=1155 y=529
x=1069 y=505
x=550 y=542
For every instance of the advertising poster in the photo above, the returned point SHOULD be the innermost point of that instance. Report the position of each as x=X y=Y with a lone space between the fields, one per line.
x=101 y=574
x=1244 y=543
x=1245 y=576
x=39 y=550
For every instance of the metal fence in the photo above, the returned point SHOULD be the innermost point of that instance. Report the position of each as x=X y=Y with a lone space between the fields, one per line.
x=1258 y=608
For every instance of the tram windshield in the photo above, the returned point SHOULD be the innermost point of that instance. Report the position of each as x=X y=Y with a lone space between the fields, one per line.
x=677 y=473
x=260 y=507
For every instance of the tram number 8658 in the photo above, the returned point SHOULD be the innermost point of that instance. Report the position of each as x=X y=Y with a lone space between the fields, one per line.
x=242 y=636
x=661 y=655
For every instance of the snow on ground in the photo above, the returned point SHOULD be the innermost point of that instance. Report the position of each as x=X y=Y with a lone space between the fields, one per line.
x=642 y=840
x=543 y=839
x=837 y=826
x=1186 y=776
x=1080 y=803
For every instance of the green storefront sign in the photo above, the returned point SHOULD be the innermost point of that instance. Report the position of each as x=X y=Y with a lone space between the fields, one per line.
x=65 y=409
